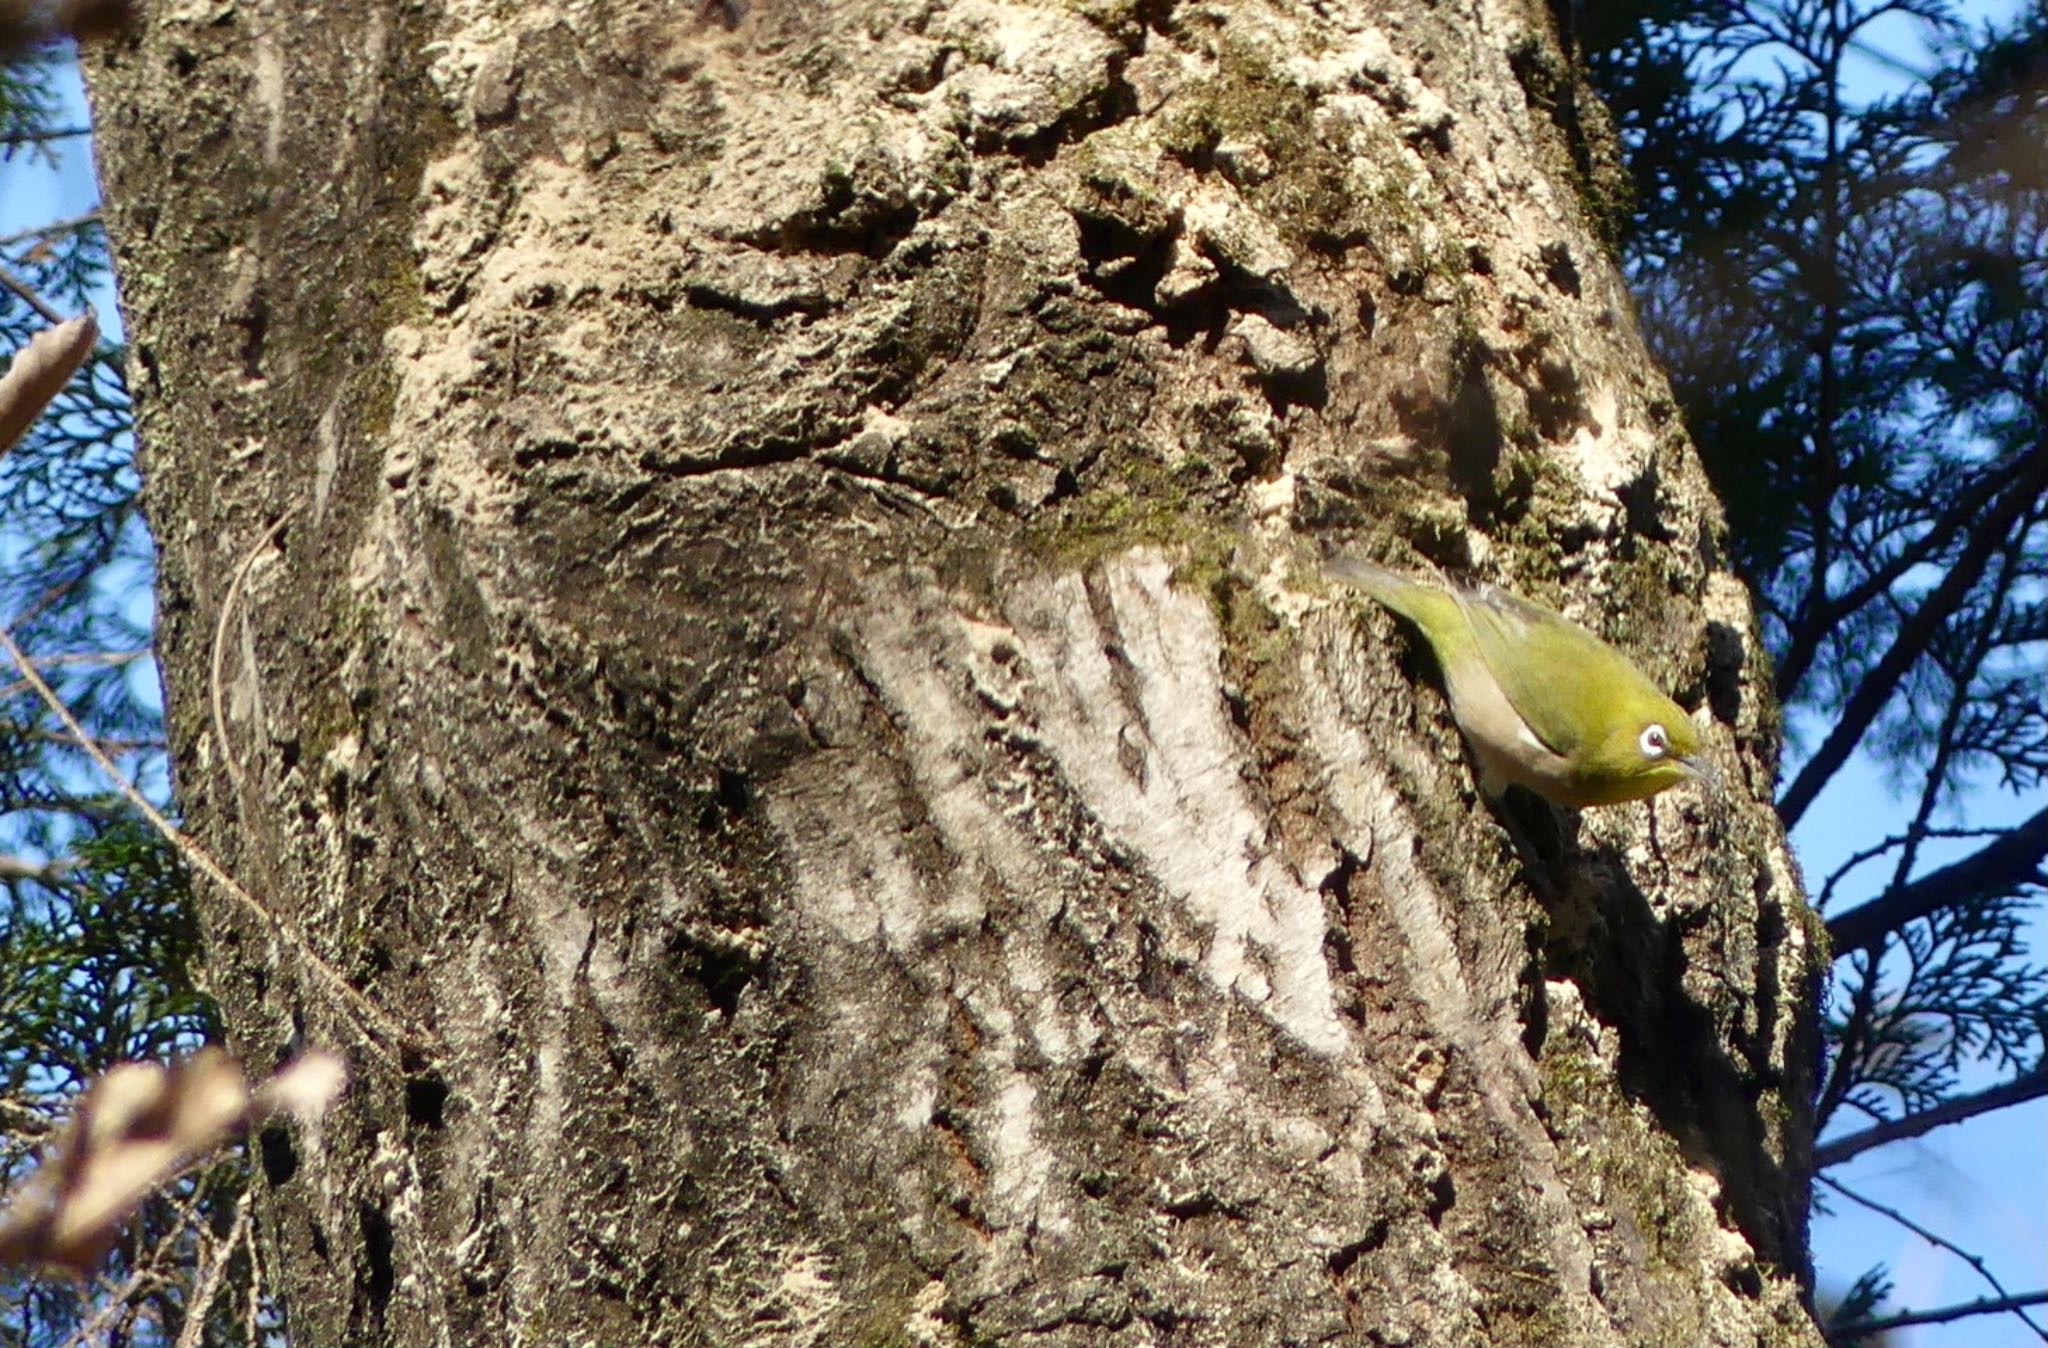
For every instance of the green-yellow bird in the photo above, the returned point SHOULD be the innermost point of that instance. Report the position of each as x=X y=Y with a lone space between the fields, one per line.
x=1541 y=700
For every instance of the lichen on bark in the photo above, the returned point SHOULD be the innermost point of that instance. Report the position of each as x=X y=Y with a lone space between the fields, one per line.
x=798 y=672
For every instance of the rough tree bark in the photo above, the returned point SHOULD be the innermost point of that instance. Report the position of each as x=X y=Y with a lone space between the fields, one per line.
x=791 y=671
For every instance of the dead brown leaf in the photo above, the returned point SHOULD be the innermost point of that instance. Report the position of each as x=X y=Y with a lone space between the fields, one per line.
x=139 y=1126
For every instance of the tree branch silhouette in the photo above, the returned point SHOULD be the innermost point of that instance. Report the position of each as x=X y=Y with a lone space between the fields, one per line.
x=2028 y=1086
x=2013 y=859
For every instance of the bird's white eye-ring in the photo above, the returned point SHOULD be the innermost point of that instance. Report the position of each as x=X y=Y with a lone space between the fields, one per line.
x=1655 y=743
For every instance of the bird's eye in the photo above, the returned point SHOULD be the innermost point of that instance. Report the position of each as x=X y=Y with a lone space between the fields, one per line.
x=1654 y=741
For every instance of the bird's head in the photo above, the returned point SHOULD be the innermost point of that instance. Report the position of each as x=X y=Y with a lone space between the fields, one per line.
x=1652 y=747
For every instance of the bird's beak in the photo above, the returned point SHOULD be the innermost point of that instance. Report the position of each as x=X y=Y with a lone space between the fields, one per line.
x=1701 y=771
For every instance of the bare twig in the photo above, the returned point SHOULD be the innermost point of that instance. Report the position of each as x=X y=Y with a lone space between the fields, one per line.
x=371 y=1020
x=43 y=136
x=211 y=1276
x=53 y=872
x=1943 y=531
x=111 y=659
x=22 y=734
x=2013 y=859
x=115 y=1302
x=30 y=296
x=215 y=682
x=1975 y=1261
x=1876 y=850
x=2028 y=1086
x=1989 y=1306
x=146 y=1275
x=55 y=227
x=253 y=1307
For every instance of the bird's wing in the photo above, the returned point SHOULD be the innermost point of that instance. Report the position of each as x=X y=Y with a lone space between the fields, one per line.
x=1546 y=665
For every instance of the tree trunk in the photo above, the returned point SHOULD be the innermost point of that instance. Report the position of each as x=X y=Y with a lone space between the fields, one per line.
x=793 y=679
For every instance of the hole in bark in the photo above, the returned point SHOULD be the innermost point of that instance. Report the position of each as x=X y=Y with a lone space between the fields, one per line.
x=254 y=322
x=1472 y=432
x=1202 y=1204
x=1239 y=707
x=1337 y=941
x=724 y=976
x=1464 y=418
x=377 y=1242
x=1154 y=977
x=731 y=795
x=1558 y=405
x=1724 y=672
x=723 y=970
x=853 y=217
x=725 y=13
x=1090 y=1069
x=280 y=1159
x=1443 y=1196
x=1126 y=260
x=425 y=1098
x=1345 y=1256
x=1562 y=269
x=1639 y=499
x=1305 y=388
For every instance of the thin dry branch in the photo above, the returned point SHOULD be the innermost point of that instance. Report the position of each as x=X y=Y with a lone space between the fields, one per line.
x=215 y=682
x=1942 y=1316
x=30 y=296
x=2028 y=1086
x=211 y=1276
x=1863 y=856
x=117 y=1309
x=2012 y=860
x=55 y=227
x=43 y=136
x=1975 y=1261
x=370 y=1019
x=53 y=872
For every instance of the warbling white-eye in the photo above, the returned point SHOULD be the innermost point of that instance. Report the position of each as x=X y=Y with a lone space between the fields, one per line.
x=1541 y=700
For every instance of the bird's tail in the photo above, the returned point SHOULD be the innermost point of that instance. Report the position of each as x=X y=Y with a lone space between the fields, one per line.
x=1429 y=605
